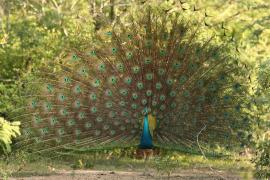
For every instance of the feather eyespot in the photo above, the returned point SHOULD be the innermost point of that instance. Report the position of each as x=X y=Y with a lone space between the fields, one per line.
x=129 y=36
x=114 y=50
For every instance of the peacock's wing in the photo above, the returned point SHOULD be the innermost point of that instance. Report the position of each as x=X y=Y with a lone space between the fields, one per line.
x=96 y=97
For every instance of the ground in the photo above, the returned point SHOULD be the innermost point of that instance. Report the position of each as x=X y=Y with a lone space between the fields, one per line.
x=129 y=175
x=123 y=167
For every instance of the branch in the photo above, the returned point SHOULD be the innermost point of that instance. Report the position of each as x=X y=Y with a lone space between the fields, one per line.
x=214 y=171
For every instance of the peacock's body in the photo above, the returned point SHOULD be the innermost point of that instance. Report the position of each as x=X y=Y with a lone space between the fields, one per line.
x=146 y=137
x=157 y=80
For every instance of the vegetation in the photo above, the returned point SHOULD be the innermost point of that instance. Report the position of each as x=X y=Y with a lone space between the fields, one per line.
x=23 y=164
x=8 y=130
x=262 y=134
x=35 y=32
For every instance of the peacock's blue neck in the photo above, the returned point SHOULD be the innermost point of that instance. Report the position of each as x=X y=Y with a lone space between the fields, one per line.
x=146 y=138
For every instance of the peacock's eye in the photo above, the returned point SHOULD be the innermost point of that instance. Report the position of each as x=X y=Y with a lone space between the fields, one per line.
x=108 y=92
x=93 y=96
x=237 y=108
x=129 y=36
x=74 y=57
x=211 y=119
x=149 y=76
x=81 y=115
x=162 y=107
x=77 y=89
x=236 y=86
x=140 y=85
x=165 y=36
x=136 y=69
x=71 y=122
x=148 y=92
x=67 y=80
x=129 y=55
x=172 y=93
x=88 y=125
x=112 y=132
x=176 y=65
x=147 y=60
x=108 y=104
x=183 y=79
x=162 y=52
x=201 y=98
x=200 y=83
x=93 y=53
x=122 y=103
x=120 y=66
x=186 y=93
x=96 y=83
x=134 y=106
x=101 y=67
x=173 y=105
x=226 y=115
x=112 y=114
x=109 y=33
x=169 y=81
x=162 y=97
x=148 y=43
x=212 y=87
x=99 y=119
x=161 y=71
x=114 y=50
x=144 y=101
x=134 y=95
x=158 y=85
x=49 y=88
x=193 y=66
x=34 y=103
x=124 y=92
x=106 y=127
x=128 y=80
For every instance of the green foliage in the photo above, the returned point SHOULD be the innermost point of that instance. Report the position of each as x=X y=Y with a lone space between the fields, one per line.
x=32 y=33
x=12 y=163
x=262 y=133
x=264 y=76
x=262 y=159
x=8 y=130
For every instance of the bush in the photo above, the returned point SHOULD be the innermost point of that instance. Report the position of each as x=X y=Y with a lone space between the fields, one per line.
x=262 y=160
x=8 y=130
x=262 y=157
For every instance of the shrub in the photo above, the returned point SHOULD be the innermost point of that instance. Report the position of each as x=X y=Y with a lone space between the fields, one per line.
x=262 y=160
x=8 y=130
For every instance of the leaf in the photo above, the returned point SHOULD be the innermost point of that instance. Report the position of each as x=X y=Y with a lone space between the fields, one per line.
x=8 y=130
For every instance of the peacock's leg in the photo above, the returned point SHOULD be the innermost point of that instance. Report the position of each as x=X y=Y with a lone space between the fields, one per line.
x=147 y=153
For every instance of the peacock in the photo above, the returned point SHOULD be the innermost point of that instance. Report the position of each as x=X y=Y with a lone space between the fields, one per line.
x=156 y=78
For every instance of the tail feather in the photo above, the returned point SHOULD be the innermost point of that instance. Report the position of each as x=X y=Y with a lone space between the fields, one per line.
x=96 y=97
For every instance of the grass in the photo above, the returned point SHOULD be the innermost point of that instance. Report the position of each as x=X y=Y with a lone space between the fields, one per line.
x=23 y=164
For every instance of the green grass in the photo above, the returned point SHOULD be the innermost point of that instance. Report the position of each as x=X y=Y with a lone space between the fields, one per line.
x=23 y=164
